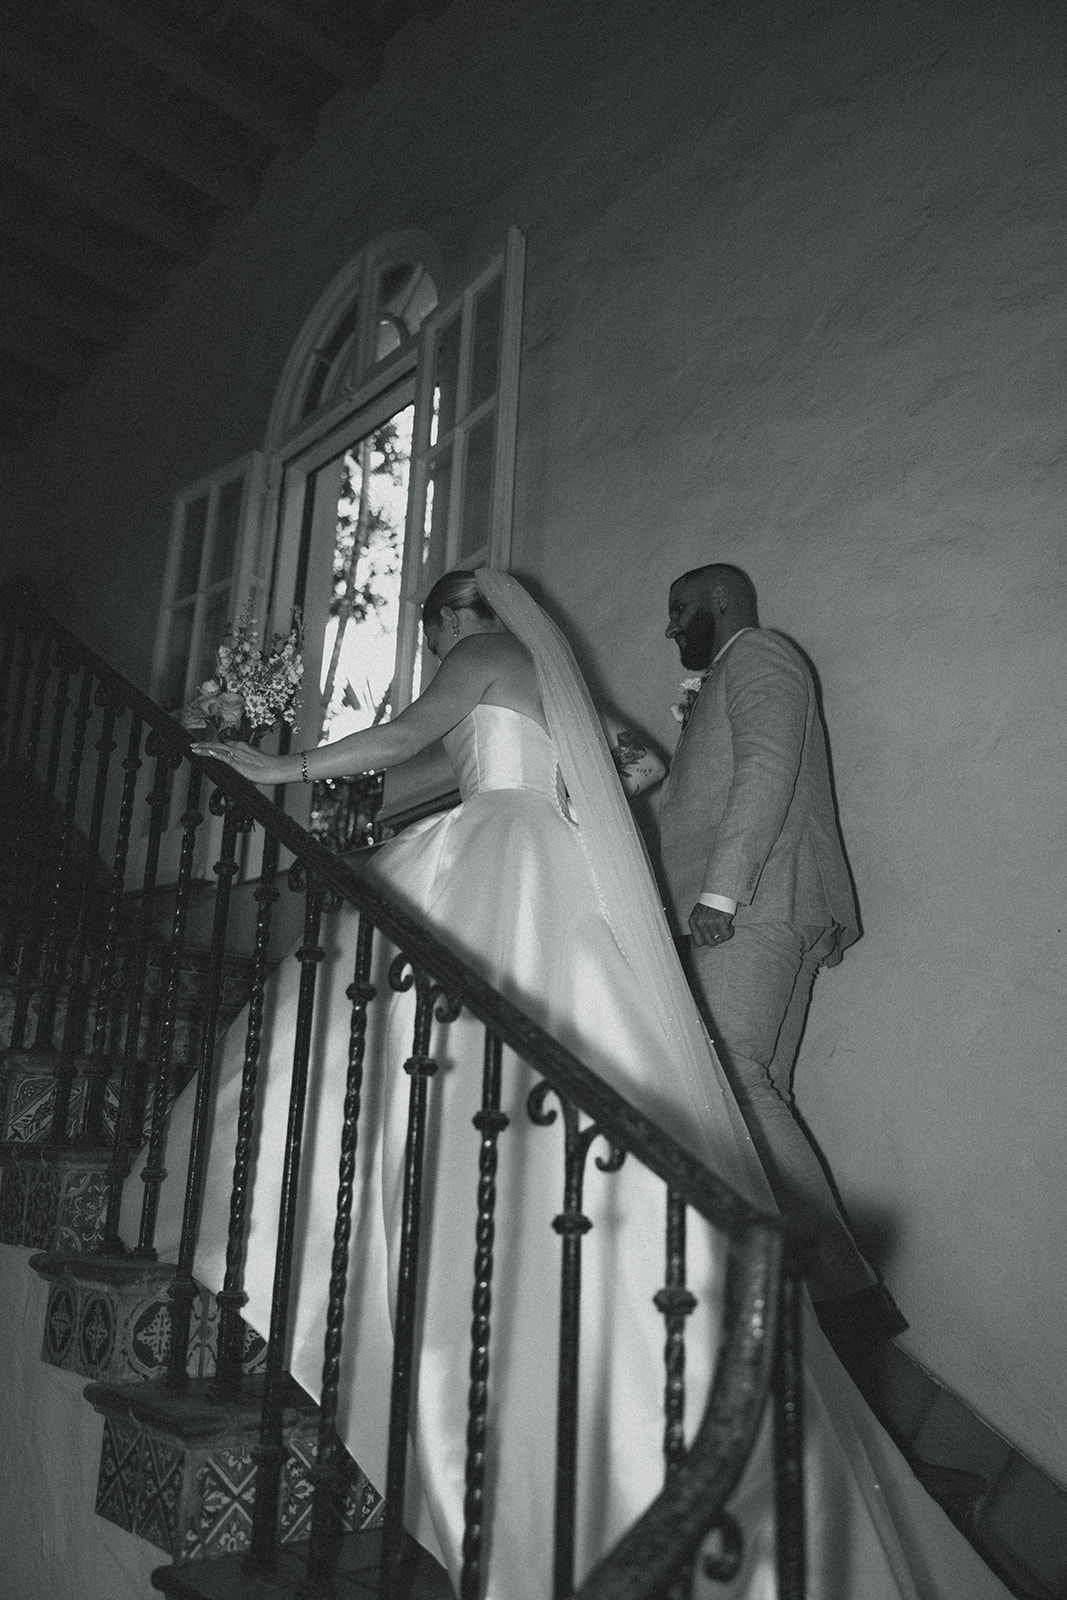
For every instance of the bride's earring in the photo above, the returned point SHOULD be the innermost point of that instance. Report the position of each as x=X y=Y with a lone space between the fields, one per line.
x=455 y=628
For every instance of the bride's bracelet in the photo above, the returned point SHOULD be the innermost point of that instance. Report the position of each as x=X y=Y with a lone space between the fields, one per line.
x=304 y=766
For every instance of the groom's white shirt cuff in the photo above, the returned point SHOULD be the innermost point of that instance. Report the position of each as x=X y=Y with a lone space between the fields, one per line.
x=719 y=902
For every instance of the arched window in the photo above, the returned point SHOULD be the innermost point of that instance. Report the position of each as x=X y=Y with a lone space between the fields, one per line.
x=389 y=457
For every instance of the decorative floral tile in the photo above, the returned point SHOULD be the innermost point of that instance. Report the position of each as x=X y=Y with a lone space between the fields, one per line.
x=80 y=1223
x=12 y=1205
x=198 y=1502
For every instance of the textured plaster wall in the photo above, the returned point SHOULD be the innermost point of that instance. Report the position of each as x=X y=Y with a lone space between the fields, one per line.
x=797 y=298
x=52 y=1544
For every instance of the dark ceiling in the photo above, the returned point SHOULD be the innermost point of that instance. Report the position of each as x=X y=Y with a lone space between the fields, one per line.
x=127 y=129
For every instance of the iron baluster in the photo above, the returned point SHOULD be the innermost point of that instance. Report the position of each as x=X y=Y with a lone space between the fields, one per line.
x=183 y=1288
x=167 y=758
x=328 y=1474
x=430 y=1001
x=50 y=965
x=232 y=1297
x=154 y=1172
x=789 y=1441
x=52 y=962
x=269 y=1453
x=77 y=999
x=25 y=845
x=571 y=1224
x=676 y=1302
x=490 y=1122
x=96 y=1071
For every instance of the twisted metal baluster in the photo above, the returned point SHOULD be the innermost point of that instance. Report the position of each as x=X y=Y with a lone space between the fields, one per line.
x=676 y=1303
x=571 y=1224
x=183 y=1288
x=52 y=958
x=232 y=1297
x=96 y=1070
x=49 y=964
x=77 y=998
x=490 y=1122
x=167 y=758
x=430 y=1002
x=328 y=1474
x=789 y=1442
x=30 y=635
x=26 y=843
x=269 y=1453
x=154 y=1172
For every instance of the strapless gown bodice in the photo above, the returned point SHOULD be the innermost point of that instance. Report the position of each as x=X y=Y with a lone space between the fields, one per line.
x=497 y=748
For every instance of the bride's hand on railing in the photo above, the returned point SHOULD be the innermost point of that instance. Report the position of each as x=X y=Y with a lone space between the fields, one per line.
x=255 y=765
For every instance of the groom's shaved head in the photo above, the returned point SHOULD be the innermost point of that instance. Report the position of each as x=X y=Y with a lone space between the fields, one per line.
x=735 y=585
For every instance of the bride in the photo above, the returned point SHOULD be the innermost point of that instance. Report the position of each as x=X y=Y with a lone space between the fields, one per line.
x=539 y=880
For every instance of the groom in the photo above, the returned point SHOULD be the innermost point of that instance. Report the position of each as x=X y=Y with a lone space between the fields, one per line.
x=756 y=877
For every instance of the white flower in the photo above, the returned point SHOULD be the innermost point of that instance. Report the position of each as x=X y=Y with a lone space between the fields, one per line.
x=690 y=688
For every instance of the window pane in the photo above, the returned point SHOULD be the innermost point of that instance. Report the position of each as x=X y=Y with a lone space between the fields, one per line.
x=446 y=381
x=193 y=531
x=218 y=618
x=360 y=638
x=406 y=296
x=487 y=313
x=477 y=486
x=172 y=685
x=227 y=527
x=329 y=363
x=438 y=495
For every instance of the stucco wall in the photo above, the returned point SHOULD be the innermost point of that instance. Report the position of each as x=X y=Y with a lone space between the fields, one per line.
x=53 y=1546
x=796 y=299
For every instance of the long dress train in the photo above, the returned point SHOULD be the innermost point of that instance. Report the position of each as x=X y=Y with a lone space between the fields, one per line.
x=511 y=880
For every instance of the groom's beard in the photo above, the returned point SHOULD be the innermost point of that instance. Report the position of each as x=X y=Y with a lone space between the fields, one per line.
x=696 y=645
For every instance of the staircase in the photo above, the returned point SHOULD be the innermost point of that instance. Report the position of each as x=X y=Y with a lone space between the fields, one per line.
x=110 y=1002
x=109 y=1005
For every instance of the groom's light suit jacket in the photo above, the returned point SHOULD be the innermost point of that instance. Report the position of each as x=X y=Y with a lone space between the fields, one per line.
x=747 y=808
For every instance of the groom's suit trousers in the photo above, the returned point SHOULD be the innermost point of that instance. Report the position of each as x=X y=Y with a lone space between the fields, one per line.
x=754 y=991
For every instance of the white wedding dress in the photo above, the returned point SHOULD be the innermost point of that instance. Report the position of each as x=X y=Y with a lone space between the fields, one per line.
x=507 y=879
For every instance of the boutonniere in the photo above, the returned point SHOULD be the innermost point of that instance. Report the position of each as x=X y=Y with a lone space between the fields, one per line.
x=682 y=709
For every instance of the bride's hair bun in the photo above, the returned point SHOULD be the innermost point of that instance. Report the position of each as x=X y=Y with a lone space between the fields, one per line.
x=459 y=592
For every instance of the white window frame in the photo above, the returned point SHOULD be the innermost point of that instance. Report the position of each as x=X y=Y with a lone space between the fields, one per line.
x=244 y=584
x=422 y=568
x=268 y=544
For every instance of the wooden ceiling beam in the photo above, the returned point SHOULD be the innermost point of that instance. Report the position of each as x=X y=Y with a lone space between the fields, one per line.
x=137 y=128
x=59 y=170
x=163 y=49
x=314 y=43
x=111 y=268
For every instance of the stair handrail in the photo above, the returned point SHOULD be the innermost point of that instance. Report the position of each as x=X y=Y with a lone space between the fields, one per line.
x=763 y=1278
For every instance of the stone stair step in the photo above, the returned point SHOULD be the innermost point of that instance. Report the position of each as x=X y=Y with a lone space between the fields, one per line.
x=109 y=1318
x=357 y=1575
x=178 y=1467
x=52 y=1197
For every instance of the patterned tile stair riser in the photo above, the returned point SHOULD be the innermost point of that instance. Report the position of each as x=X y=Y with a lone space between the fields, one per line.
x=193 y=1498
x=111 y=1321
x=51 y=1205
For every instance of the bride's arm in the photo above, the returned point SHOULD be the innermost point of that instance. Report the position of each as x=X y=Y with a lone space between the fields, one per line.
x=459 y=684
x=638 y=765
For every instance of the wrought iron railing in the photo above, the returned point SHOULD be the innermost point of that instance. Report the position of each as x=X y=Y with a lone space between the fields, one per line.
x=77 y=743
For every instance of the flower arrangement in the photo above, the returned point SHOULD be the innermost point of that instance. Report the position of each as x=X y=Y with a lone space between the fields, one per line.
x=252 y=688
x=682 y=709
